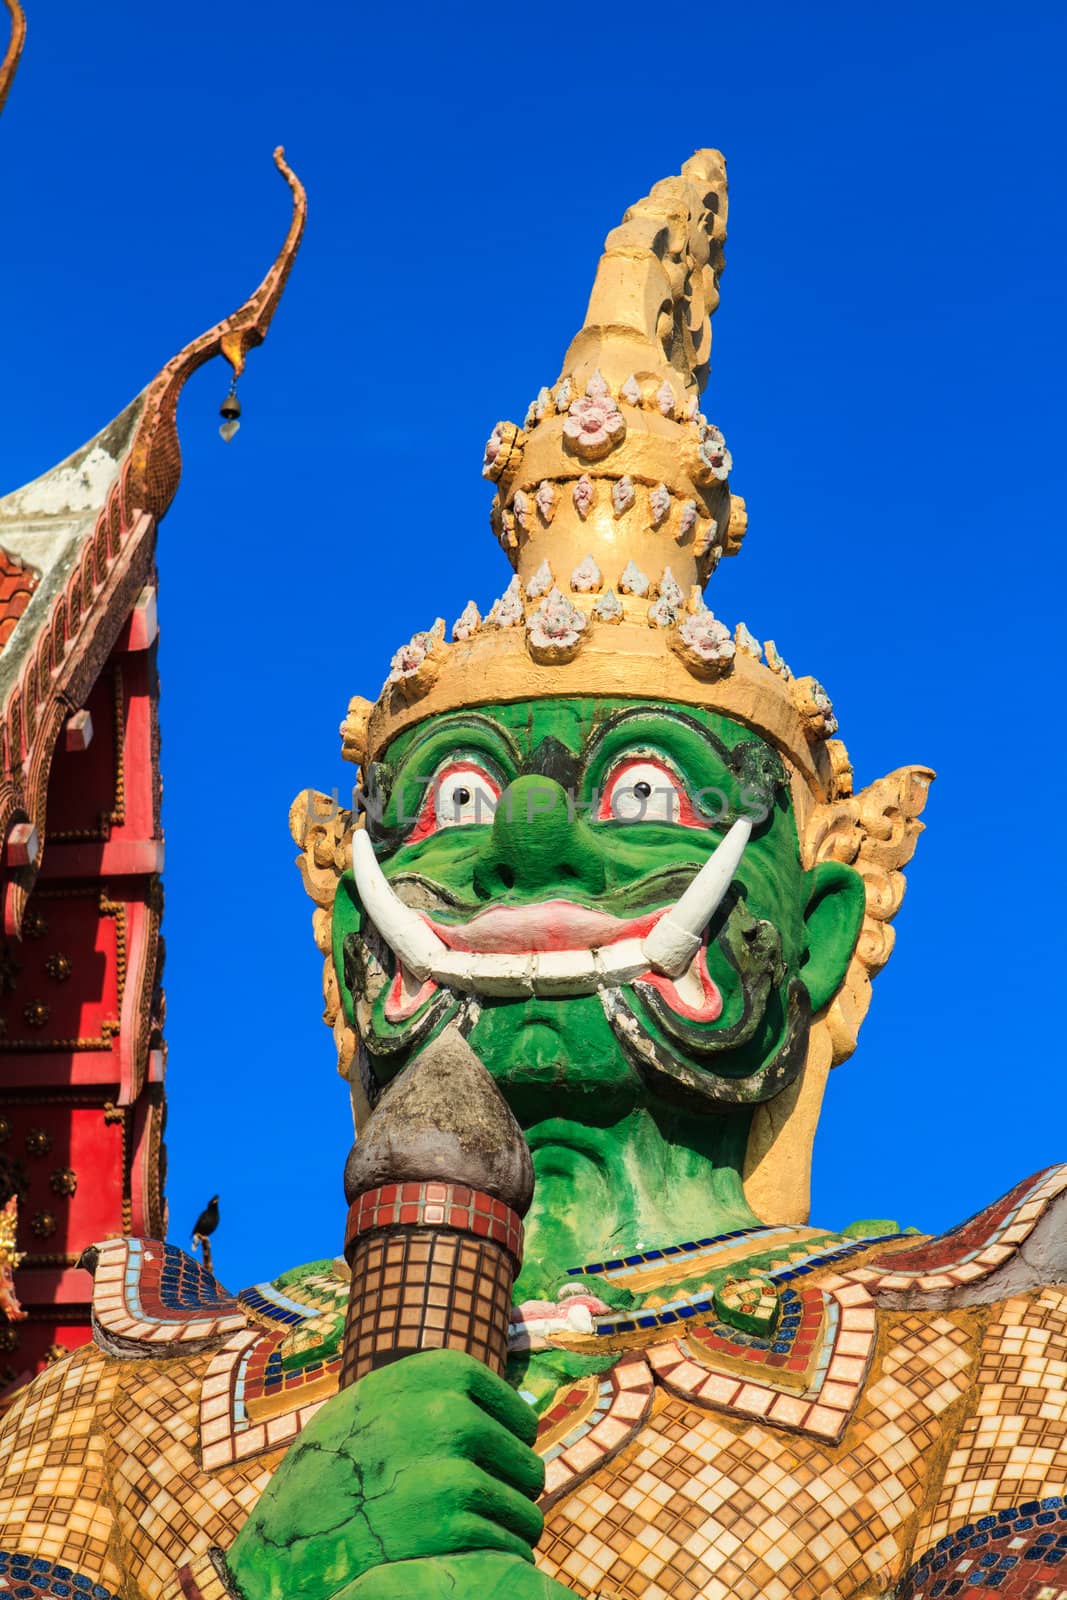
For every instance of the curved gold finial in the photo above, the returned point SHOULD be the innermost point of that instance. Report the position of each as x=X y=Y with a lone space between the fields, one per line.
x=155 y=464
x=9 y=65
x=657 y=283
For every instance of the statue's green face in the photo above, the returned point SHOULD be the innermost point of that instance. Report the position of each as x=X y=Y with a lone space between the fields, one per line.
x=540 y=832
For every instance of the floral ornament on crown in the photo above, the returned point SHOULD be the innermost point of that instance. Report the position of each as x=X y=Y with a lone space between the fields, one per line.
x=415 y=665
x=467 y=623
x=502 y=447
x=713 y=452
x=704 y=644
x=608 y=607
x=633 y=580
x=507 y=611
x=582 y=495
x=622 y=495
x=587 y=577
x=663 y=612
x=554 y=631
x=545 y=500
x=747 y=642
x=659 y=503
x=541 y=582
x=594 y=424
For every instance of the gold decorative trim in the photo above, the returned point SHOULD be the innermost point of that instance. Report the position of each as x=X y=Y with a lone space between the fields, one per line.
x=111 y=1026
x=117 y=815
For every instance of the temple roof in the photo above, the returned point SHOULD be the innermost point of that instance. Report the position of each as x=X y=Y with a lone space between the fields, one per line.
x=77 y=546
x=44 y=526
x=18 y=580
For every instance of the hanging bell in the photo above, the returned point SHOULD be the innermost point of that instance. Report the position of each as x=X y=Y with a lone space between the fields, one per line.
x=230 y=411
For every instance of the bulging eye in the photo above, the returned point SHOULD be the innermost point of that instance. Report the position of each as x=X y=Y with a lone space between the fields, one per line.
x=644 y=791
x=461 y=792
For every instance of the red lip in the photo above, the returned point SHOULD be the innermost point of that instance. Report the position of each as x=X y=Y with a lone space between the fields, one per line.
x=549 y=925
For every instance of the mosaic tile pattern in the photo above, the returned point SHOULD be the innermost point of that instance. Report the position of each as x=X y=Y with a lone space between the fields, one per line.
x=170 y=1506
x=689 y=1367
x=575 y=1440
x=792 y=1346
x=1020 y=1552
x=705 y=1507
x=153 y=1293
x=420 y=1288
x=34 y=1578
x=798 y=1263
x=53 y=1468
x=974 y=1249
x=269 y=1388
x=951 y=1441
x=228 y=1432
x=623 y=1268
x=205 y=1578
x=1013 y=1447
x=269 y=1303
x=436 y=1205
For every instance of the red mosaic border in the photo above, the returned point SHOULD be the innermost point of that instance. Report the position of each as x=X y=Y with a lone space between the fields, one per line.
x=806 y=1342
x=436 y=1205
x=947 y=1249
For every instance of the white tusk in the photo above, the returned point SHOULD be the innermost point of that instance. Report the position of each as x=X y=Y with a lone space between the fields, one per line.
x=676 y=937
x=669 y=947
x=411 y=940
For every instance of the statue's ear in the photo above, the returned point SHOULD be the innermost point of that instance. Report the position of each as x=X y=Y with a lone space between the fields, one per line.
x=833 y=917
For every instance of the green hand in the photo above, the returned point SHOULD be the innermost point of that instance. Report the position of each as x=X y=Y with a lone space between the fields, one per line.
x=429 y=1457
x=482 y=1576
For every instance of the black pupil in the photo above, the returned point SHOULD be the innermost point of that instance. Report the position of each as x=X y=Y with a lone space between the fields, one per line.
x=461 y=797
x=643 y=789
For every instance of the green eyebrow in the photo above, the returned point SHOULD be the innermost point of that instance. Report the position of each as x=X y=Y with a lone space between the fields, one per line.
x=683 y=738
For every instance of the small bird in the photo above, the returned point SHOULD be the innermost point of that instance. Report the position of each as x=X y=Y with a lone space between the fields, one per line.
x=208 y=1220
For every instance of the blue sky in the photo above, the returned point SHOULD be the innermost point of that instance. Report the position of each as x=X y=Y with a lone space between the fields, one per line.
x=888 y=370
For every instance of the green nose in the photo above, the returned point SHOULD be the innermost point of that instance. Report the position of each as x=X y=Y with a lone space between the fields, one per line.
x=538 y=842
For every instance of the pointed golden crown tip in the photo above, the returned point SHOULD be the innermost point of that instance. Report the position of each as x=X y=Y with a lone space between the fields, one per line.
x=616 y=463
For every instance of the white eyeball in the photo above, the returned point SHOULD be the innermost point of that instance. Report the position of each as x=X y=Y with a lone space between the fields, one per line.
x=464 y=793
x=642 y=791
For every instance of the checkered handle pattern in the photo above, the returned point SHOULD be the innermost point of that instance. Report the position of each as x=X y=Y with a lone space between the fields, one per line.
x=433 y=1266
x=451 y=1206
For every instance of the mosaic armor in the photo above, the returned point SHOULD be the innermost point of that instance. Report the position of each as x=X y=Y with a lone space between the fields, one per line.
x=900 y=1423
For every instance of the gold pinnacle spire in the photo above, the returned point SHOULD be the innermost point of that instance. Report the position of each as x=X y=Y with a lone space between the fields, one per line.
x=615 y=466
x=657 y=284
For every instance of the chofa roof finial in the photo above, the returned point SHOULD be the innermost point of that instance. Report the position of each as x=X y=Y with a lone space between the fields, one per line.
x=9 y=65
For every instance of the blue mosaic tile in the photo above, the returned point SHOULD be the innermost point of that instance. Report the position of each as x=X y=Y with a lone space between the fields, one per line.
x=40 y=1579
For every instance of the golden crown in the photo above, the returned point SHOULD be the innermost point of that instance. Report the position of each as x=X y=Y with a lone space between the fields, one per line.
x=613 y=506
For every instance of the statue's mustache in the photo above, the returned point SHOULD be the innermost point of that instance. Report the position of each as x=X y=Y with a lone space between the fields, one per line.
x=668 y=947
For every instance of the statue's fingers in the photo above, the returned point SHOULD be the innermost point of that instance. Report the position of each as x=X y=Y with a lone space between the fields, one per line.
x=500 y=1401
x=495 y=1448
x=437 y=1372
